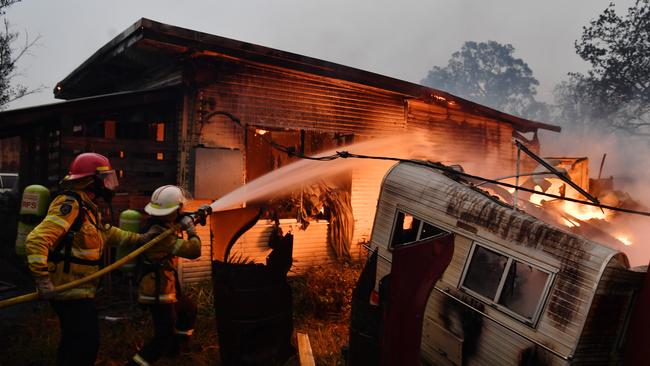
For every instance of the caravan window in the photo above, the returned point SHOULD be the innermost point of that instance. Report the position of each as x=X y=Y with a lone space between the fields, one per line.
x=514 y=286
x=408 y=229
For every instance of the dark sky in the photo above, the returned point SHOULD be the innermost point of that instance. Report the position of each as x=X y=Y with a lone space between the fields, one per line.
x=402 y=39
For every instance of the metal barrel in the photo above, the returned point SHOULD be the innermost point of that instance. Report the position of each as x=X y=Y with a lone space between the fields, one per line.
x=254 y=314
x=253 y=307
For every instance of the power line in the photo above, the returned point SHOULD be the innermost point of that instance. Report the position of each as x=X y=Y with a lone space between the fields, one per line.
x=438 y=166
x=449 y=170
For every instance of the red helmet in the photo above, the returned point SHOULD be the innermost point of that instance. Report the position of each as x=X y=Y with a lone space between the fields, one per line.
x=89 y=164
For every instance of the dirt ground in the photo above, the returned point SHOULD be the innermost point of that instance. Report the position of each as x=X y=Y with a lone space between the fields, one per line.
x=29 y=333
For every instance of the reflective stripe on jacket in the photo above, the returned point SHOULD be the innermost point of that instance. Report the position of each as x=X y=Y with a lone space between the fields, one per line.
x=165 y=255
x=88 y=243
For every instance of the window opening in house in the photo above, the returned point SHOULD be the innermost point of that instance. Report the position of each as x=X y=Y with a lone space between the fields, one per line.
x=160 y=132
x=160 y=156
x=516 y=287
x=109 y=129
x=408 y=229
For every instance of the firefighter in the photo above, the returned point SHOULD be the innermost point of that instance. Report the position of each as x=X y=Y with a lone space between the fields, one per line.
x=172 y=312
x=67 y=245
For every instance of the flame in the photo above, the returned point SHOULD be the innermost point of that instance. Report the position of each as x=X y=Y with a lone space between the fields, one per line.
x=537 y=198
x=623 y=238
x=260 y=131
x=584 y=212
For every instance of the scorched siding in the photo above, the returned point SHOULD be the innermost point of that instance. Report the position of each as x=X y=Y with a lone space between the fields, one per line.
x=277 y=98
x=480 y=145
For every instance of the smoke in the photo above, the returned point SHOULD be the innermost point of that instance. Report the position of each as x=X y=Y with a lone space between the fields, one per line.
x=628 y=162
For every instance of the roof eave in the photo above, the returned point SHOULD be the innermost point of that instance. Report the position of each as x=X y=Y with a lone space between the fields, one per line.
x=146 y=28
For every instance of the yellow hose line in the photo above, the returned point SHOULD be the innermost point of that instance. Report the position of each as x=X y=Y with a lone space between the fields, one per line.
x=119 y=263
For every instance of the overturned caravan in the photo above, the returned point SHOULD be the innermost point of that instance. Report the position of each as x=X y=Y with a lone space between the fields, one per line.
x=513 y=289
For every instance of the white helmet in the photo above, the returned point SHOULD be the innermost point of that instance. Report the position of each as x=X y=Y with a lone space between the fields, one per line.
x=165 y=200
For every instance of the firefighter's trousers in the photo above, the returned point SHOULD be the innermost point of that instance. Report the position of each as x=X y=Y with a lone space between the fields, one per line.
x=173 y=325
x=79 y=332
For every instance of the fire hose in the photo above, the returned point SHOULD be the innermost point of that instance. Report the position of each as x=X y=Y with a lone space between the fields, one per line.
x=119 y=263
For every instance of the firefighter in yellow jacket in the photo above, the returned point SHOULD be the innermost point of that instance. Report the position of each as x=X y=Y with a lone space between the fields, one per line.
x=67 y=245
x=173 y=313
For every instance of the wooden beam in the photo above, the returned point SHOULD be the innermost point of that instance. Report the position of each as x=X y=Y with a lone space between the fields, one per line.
x=304 y=350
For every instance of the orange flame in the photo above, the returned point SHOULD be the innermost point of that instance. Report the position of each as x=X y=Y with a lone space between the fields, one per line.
x=584 y=212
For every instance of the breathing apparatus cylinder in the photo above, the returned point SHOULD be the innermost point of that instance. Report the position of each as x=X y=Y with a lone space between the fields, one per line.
x=129 y=221
x=33 y=208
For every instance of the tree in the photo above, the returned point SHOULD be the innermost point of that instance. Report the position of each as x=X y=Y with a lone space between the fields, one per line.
x=9 y=57
x=489 y=74
x=615 y=92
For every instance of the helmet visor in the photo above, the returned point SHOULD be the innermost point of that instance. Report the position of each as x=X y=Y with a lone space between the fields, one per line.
x=109 y=179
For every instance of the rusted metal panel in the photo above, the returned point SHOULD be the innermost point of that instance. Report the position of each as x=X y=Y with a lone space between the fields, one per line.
x=415 y=270
x=577 y=263
x=282 y=99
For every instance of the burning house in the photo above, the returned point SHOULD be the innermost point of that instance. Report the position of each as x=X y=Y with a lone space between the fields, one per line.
x=170 y=105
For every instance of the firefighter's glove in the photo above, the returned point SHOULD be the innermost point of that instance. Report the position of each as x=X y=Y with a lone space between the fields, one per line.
x=153 y=232
x=187 y=224
x=45 y=288
x=202 y=213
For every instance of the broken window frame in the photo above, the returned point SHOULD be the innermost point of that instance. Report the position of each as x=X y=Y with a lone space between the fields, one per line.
x=418 y=235
x=494 y=302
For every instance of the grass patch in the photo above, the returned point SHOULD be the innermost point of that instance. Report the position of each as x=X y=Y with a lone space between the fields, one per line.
x=322 y=302
x=30 y=333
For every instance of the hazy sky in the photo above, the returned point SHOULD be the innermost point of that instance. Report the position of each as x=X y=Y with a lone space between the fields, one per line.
x=398 y=38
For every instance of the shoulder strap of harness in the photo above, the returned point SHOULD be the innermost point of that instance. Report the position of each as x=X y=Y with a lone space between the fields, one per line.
x=65 y=244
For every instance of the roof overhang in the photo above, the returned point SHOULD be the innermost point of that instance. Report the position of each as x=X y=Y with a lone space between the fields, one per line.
x=16 y=121
x=149 y=45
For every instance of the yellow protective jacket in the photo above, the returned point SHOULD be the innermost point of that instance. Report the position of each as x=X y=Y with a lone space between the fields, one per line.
x=87 y=244
x=159 y=264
